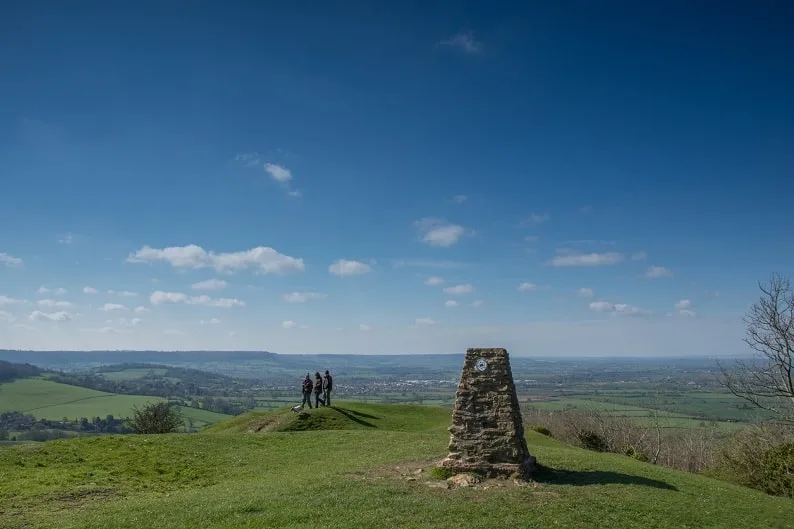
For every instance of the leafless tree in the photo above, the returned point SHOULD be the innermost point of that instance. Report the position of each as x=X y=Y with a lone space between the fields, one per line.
x=767 y=380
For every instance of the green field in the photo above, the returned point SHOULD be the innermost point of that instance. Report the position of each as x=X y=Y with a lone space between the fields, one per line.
x=362 y=473
x=49 y=400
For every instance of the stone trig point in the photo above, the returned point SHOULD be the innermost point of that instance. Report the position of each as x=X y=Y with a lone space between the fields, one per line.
x=487 y=432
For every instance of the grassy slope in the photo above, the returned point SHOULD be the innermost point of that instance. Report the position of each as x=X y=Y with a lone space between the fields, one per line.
x=287 y=479
x=49 y=400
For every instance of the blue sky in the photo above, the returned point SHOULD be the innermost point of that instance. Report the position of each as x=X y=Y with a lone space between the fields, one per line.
x=630 y=165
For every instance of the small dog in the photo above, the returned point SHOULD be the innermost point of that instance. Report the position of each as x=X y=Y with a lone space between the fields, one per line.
x=297 y=409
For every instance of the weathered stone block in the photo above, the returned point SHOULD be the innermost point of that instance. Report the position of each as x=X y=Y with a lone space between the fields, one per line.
x=487 y=431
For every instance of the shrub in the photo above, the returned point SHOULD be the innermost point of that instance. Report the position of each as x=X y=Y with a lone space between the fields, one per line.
x=777 y=470
x=441 y=473
x=636 y=453
x=591 y=441
x=542 y=430
x=155 y=418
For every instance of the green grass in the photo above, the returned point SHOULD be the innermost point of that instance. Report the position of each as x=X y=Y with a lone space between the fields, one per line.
x=202 y=418
x=45 y=399
x=351 y=477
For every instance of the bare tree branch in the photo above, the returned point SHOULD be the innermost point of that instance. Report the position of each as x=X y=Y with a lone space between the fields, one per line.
x=767 y=381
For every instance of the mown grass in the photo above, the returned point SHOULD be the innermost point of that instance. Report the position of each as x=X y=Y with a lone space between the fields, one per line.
x=346 y=479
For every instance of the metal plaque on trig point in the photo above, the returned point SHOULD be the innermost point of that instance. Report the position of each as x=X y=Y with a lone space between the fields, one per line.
x=481 y=365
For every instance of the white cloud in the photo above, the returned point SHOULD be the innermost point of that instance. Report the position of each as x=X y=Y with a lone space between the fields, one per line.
x=296 y=193
x=43 y=290
x=279 y=173
x=589 y=259
x=536 y=218
x=54 y=303
x=459 y=199
x=134 y=322
x=434 y=281
x=344 y=267
x=658 y=271
x=5 y=300
x=459 y=289
x=109 y=307
x=690 y=313
x=477 y=303
x=123 y=293
x=464 y=42
x=586 y=292
x=60 y=316
x=450 y=303
x=617 y=308
x=59 y=291
x=264 y=260
x=210 y=284
x=212 y=321
x=439 y=232
x=425 y=321
x=67 y=239
x=141 y=310
x=289 y=324
x=364 y=327
x=639 y=256
x=10 y=260
x=523 y=287
x=6 y=316
x=684 y=304
x=90 y=290
x=160 y=298
x=302 y=297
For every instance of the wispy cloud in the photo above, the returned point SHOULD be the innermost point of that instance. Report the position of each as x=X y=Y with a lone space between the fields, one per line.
x=617 y=308
x=434 y=281
x=587 y=259
x=459 y=199
x=464 y=42
x=658 y=271
x=586 y=292
x=303 y=297
x=161 y=298
x=438 y=232
x=525 y=287
x=209 y=284
x=108 y=307
x=60 y=316
x=90 y=290
x=536 y=218
x=459 y=289
x=344 y=267
x=426 y=321
x=638 y=256
x=66 y=239
x=451 y=303
x=278 y=173
x=363 y=327
x=54 y=303
x=5 y=300
x=10 y=260
x=263 y=260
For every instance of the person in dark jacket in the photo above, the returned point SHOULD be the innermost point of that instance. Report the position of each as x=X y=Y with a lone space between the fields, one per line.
x=318 y=390
x=306 y=388
x=328 y=384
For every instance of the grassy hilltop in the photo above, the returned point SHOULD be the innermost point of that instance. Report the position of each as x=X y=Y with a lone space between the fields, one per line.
x=353 y=466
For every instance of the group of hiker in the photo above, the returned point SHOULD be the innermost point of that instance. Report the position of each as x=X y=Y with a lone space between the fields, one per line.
x=322 y=385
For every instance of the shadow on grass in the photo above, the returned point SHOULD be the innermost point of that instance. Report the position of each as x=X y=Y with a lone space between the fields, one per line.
x=365 y=415
x=350 y=414
x=553 y=476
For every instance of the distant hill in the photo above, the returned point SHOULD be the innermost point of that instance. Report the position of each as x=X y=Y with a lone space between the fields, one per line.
x=358 y=466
